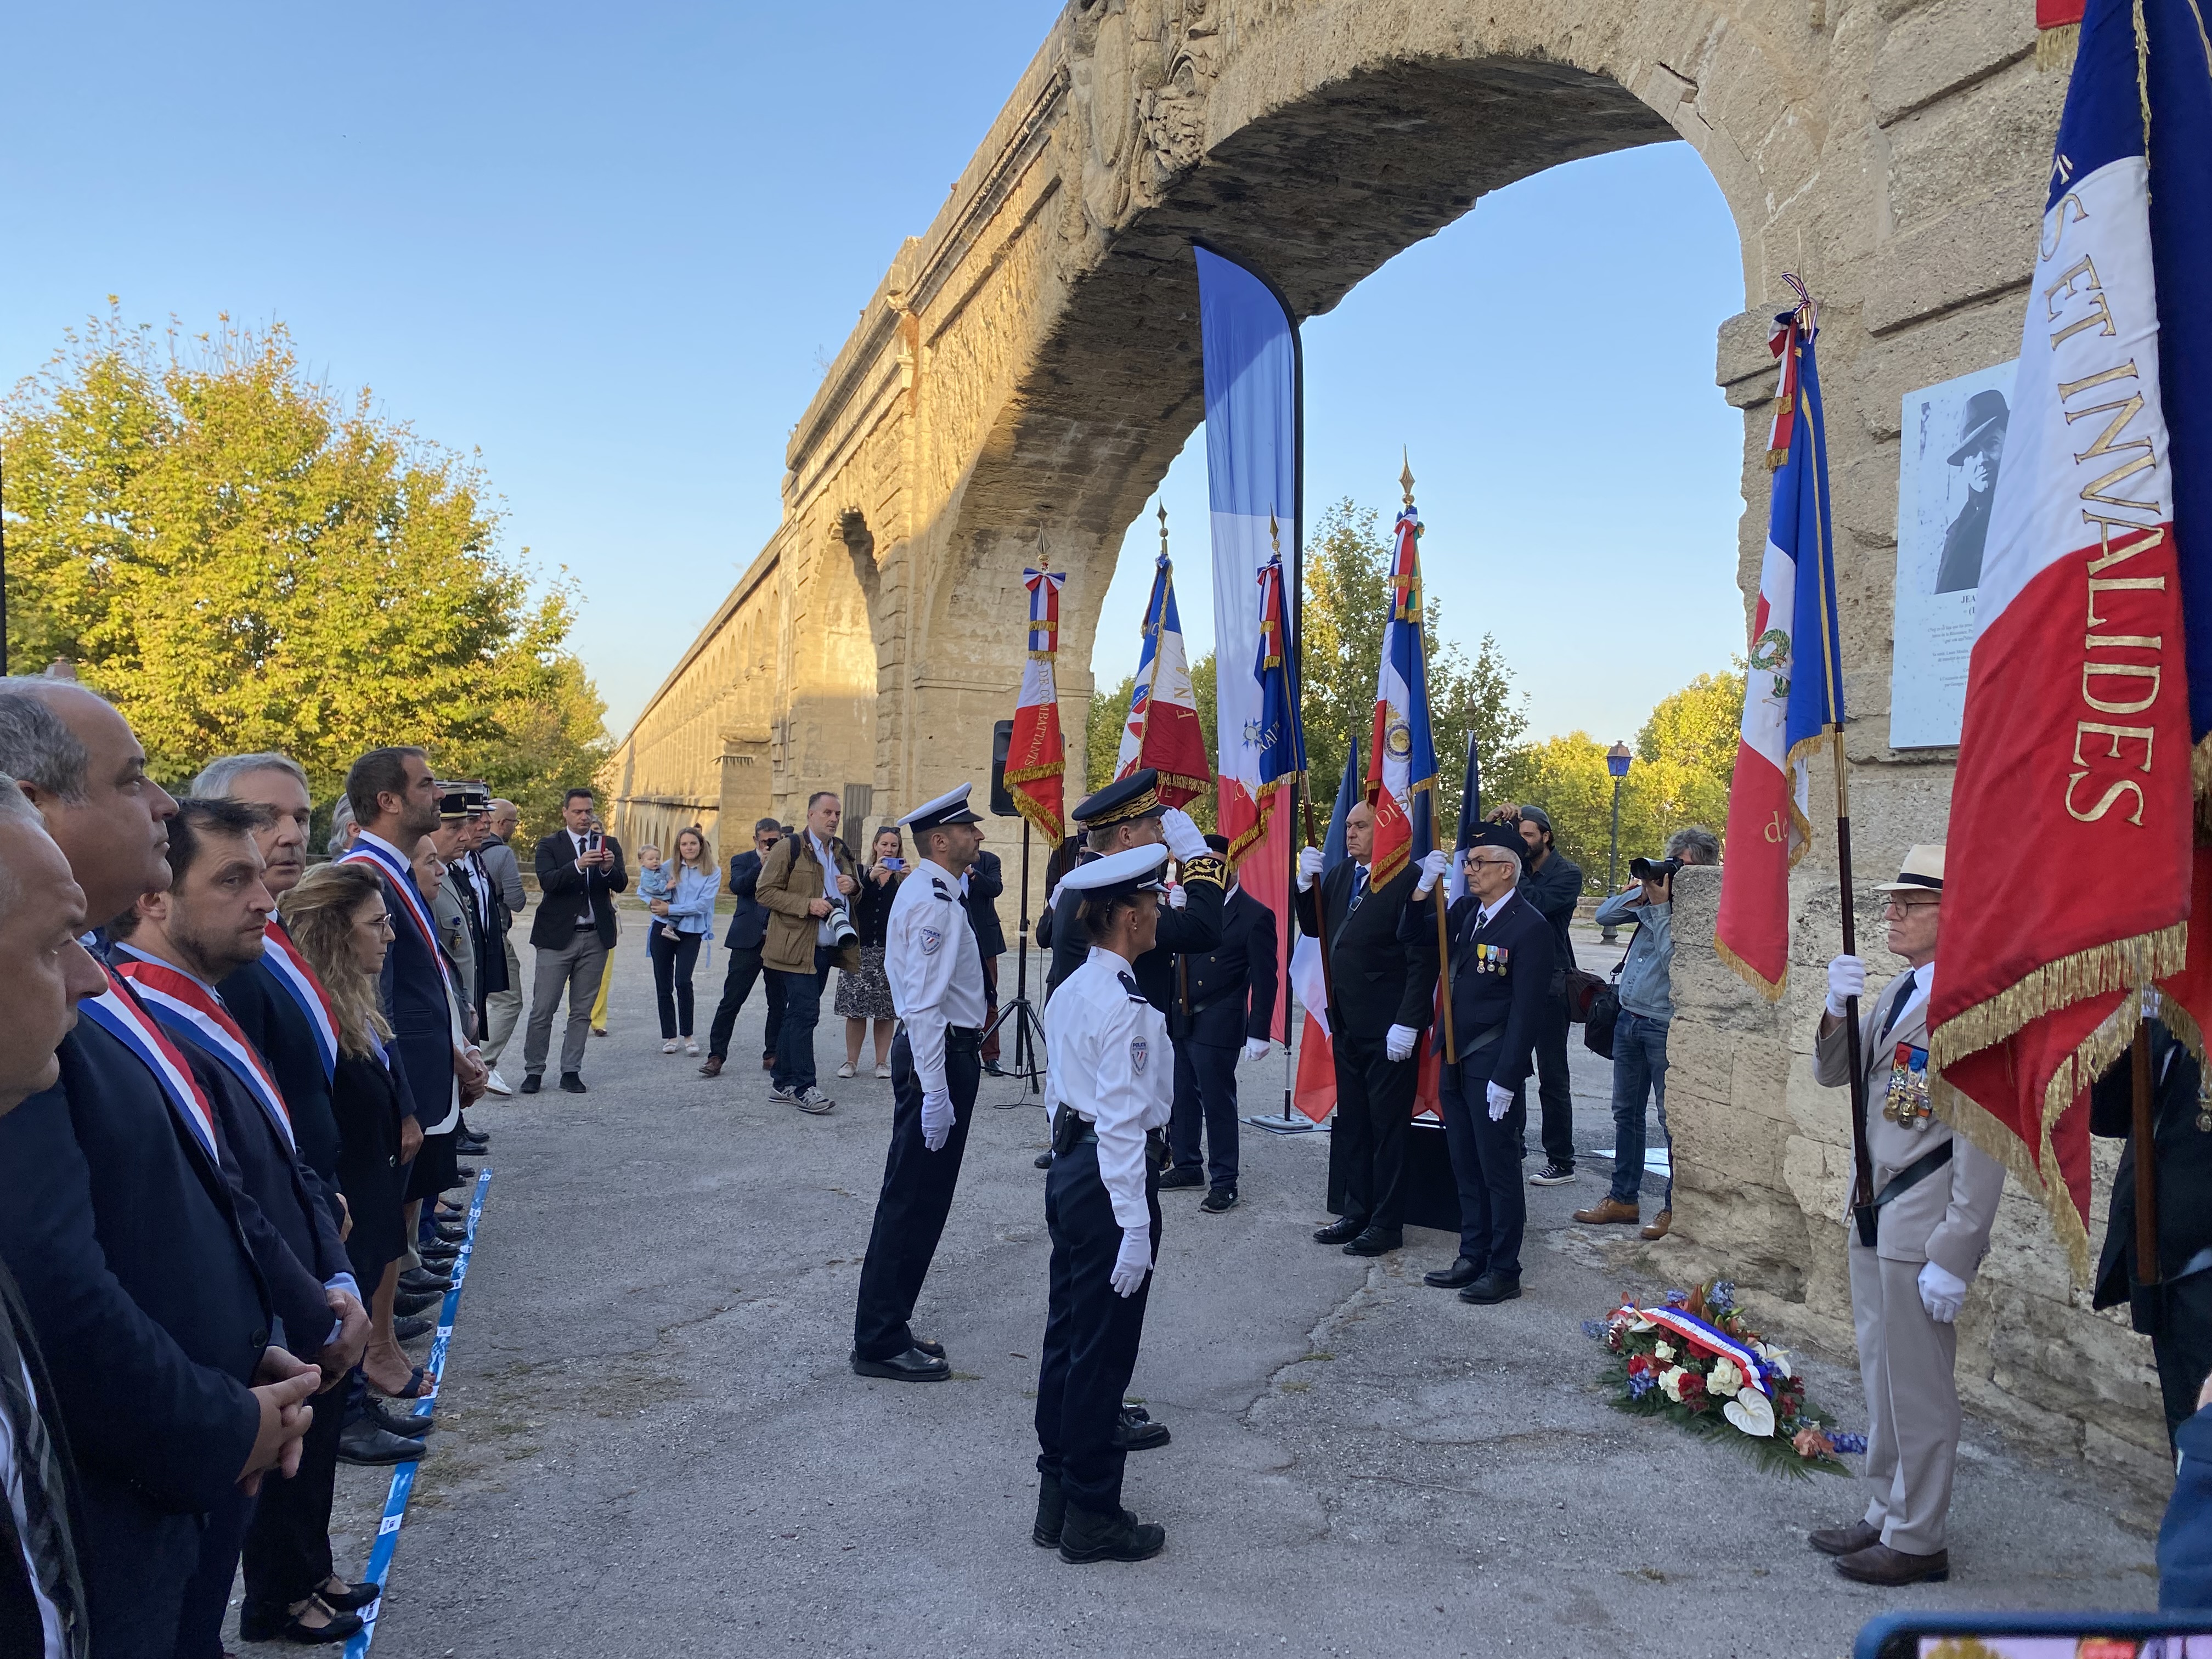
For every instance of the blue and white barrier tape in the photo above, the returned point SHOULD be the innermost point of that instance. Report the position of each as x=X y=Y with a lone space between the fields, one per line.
x=403 y=1478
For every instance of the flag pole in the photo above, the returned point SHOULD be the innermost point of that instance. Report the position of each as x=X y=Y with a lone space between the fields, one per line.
x=1436 y=893
x=1295 y=663
x=1863 y=1210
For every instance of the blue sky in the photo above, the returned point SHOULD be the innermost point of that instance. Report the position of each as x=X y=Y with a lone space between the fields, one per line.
x=610 y=251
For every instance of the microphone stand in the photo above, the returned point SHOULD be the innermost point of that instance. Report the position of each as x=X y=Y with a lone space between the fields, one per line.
x=1029 y=1030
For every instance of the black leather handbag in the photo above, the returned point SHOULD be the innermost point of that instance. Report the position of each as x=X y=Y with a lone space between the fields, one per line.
x=1604 y=1012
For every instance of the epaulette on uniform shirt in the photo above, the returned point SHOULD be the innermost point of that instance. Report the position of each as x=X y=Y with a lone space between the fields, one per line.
x=1130 y=986
x=937 y=886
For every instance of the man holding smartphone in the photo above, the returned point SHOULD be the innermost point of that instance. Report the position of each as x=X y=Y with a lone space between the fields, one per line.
x=579 y=870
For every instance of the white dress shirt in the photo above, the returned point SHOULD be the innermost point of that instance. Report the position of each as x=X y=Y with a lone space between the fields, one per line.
x=935 y=969
x=1111 y=1062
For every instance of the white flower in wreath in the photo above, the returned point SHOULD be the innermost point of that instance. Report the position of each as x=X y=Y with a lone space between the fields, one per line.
x=1752 y=1412
x=1640 y=1323
x=1670 y=1382
x=1725 y=1378
x=1777 y=1357
x=1663 y=1351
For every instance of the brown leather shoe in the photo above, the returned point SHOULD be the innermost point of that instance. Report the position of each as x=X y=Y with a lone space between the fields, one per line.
x=712 y=1067
x=1660 y=1224
x=768 y=1061
x=1878 y=1564
x=1608 y=1210
x=1845 y=1540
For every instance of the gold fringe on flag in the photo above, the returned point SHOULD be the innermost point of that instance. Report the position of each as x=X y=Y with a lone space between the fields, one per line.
x=2096 y=971
x=1772 y=990
x=2055 y=47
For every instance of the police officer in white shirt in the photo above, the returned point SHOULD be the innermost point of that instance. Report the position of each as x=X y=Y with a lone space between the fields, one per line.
x=936 y=976
x=1111 y=1085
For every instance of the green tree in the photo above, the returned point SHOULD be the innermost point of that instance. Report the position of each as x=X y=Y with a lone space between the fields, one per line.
x=241 y=561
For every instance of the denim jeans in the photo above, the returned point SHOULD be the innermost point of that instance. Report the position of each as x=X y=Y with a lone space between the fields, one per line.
x=802 y=1011
x=1639 y=1068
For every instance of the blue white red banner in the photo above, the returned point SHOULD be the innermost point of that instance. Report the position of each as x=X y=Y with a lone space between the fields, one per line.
x=1163 y=730
x=116 y=1011
x=1402 y=754
x=283 y=958
x=191 y=1010
x=1036 y=761
x=382 y=857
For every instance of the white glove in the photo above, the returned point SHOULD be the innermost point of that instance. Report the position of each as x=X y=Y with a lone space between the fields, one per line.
x=1132 y=1261
x=1942 y=1292
x=1309 y=867
x=1185 y=839
x=1846 y=978
x=937 y=1119
x=1255 y=1048
x=1397 y=1042
x=1434 y=865
x=1501 y=1101
x=1177 y=896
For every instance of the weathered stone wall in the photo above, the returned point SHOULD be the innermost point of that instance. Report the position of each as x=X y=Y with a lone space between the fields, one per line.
x=1030 y=365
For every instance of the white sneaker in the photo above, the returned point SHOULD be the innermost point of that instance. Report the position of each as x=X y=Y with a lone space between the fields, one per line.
x=497 y=1085
x=670 y=1046
x=812 y=1100
x=846 y=1069
x=883 y=1070
x=691 y=1047
x=777 y=1091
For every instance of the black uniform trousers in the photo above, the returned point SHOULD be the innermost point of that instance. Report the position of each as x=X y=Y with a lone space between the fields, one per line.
x=1374 y=1105
x=1091 y=1333
x=1555 y=1091
x=736 y=986
x=1205 y=1094
x=207 y=1592
x=917 y=1195
x=288 y=1543
x=1486 y=1160
x=2184 y=1349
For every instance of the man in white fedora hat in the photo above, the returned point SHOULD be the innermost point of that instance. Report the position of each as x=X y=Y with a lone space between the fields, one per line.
x=1934 y=1198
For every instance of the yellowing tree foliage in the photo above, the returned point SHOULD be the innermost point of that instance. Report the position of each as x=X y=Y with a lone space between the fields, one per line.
x=241 y=561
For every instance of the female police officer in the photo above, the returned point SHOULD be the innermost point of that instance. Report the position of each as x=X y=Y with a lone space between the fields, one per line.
x=1112 y=1087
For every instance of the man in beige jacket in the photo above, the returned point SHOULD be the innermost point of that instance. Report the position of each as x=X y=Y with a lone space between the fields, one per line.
x=807 y=882
x=1936 y=1197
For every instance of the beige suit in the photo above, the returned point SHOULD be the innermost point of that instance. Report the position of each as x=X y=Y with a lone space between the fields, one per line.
x=1905 y=1357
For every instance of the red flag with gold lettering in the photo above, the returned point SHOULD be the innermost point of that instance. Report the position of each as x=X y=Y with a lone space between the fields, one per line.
x=1036 y=761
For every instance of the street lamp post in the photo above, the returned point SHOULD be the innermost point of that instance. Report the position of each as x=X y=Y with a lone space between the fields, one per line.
x=1616 y=762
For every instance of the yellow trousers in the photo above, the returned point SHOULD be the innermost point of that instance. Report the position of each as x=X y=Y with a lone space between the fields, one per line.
x=600 y=1002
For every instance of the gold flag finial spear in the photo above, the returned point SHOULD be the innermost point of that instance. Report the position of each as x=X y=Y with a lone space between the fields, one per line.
x=1163 y=530
x=1406 y=478
x=1274 y=533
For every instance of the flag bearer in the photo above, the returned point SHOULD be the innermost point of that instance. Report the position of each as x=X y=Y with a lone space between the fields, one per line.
x=1936 y=1197
x=1111 y=1087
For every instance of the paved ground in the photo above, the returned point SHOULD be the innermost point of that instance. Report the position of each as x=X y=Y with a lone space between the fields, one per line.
x=652 y=1445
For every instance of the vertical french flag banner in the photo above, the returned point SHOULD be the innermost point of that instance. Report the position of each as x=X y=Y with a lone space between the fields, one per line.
x=1036 y=760
x=1401 y=755
x=1314 y=1091
x=1282 y=750
x=1794 y=684
x=1163 y=730
x=2089 y=690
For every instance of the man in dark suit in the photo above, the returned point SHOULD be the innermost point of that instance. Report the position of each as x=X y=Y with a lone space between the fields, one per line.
x=1551 y=882
x=1224 y=1006
x=981 y=888
x=42 y=1598
x=748 y=932
x=119 y=1226
x=175 y=947
x=1501 y=957
x=1124 y=814
x=579 y=872
x=1383 y=996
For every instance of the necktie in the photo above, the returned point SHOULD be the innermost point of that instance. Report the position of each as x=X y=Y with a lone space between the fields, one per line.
x=1897 y=1006
x=48 y=1539
x=1358 y=886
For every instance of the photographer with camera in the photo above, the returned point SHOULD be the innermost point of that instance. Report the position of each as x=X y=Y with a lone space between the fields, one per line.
x=1646 y=989
x=807 y=882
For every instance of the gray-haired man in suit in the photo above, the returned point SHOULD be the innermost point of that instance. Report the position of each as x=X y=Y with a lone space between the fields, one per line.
x=1936 y=1197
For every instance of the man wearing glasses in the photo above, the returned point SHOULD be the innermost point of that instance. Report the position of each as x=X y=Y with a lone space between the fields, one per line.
x=1936 y=1197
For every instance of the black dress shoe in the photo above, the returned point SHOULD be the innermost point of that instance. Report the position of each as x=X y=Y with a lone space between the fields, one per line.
x=366 y=1443
x=406 y=1330
x=929 y=1346
x=1338 y=1231
x=352 y=1599
x=532 y=1084
x=912 y=1366
x=464 y=1176
x=405 y=1303
x=573 y=1084
x=473 y=1146
x=1089 y=1535
x=1375 y=1241
x=420 y=1278
x=1043 y=1159
x=257 y=1623
x=991 y=1068
x=452 y=1233
x=1492 y=1287
x=1136 y=1432
x=1178 y=1178
x=1461 y=1272
x=393 y=1421
x=438 y=1259
x=1051 y=1516
x=1216 y=1200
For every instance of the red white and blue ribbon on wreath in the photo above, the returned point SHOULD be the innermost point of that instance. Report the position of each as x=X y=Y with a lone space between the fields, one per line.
x=1691 y=1328
x=117 y=1012
x=191 y=1008
x=283 y=958
x=401 y=879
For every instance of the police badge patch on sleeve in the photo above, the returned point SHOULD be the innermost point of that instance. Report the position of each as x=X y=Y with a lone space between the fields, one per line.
x=1139 y=1052
x=930 y=938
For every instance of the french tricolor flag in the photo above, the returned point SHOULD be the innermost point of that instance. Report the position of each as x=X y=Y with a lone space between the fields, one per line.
x=2089 y=691
x=1794 y=688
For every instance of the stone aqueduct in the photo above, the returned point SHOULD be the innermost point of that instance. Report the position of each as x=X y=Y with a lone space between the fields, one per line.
x=1030 y=365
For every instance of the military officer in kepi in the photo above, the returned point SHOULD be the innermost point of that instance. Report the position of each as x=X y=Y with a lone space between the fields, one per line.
x=936 y=976
x=1936 y=1197
x=1111 y=1089
x=1502 y=953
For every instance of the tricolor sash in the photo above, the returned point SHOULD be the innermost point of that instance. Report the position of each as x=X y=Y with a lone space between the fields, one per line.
x=117 y=1012
x=191 y=1009
x=282 y=959
x=401 y=879
x=1691 y=1328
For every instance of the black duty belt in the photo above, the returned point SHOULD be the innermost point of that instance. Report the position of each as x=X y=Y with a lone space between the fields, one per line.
x=1914 y=1173
x=962 y=1033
